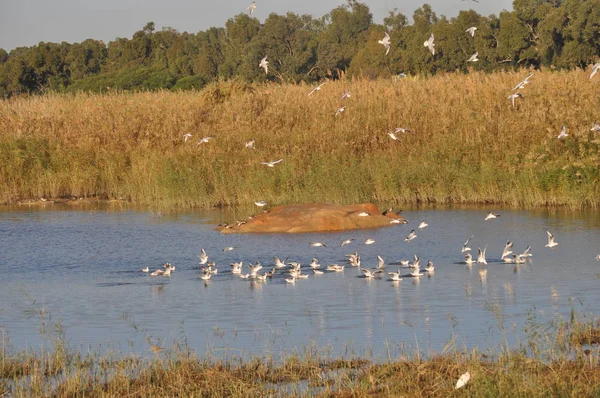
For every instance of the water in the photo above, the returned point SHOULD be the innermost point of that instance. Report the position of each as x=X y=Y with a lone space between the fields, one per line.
x=81 y=268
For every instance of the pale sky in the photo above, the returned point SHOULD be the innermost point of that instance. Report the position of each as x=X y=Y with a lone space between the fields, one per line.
x=27 y=22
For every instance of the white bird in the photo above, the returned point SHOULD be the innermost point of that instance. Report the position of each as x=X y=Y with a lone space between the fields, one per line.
x=522 y=83
x=236 y=268
x=469 y=259
x=345 y=95
x=416 y=273
x=423 y=225
x=260 y=203
x=416 y=262
x=206 y=276
x=473 y=58
x=465 y=248
x=279 y=263
x=598 y=257
x=342 y=109
x=363 y=214
x=250 y=144
x=244 y=276
x=380 y=262
x=429 y=267
x=205 y=140
x=335 y=267
x=369 y=241
x=471 y=31
x=595 y=69
x=491 y=215
x=317 y=244
x=264 y=64
x=405 y=263
x=203 y=257
x=318 y=88
x=410 y=236
x=429 y=44
x=346 y=242
x=158 y=272
x=386 y=42
x=563 y=132
x=395 y=221
x=481 y=256
x=527 y=252
x=146 y=269
x=462 y=380
x=393 y=136
x=186 y=137
x=370 y=273
x=506 y=252
x=395 y=276
x=402 y=130
x=254 y=268
x=318 y=272
x=228 y=248
x=513 y=98
x=291 y=280
x=551 y=242
x=596 y=127
x=251 y=8
x=272 y=163
x=314 y=264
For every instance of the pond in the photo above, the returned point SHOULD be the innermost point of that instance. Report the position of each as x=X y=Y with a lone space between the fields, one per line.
x=81 y=269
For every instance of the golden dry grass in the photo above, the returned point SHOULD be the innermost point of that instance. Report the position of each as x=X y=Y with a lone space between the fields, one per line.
x=469 y=145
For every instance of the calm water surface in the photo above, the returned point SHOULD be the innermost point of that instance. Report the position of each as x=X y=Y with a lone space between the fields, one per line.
x=82 y=267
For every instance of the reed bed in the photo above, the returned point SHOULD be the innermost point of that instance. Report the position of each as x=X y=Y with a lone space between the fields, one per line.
x=556 y=359
x=469 y=145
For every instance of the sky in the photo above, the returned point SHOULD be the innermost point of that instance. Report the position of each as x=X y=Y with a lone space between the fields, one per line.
x=28 y=22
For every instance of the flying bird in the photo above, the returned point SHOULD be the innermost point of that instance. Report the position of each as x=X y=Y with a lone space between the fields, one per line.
x=462 y=380
x=522 y=83
x=429 y=44
x=563 y=132
x=423 y=225
x=402 y=130
x=386 y=43
x=513 y=98
x=317 y=244
x=481 y=256
x=465 y=247
x=251 y=8
x=186 y=137
x=551 y=243
x=393 y=136
x=342 y=109
x=318 y=88
x=346 y=242
x=264 y=64
x=369 y=241
x=261 y=203
x=205 y=140
x=474 y=58
x=596 y=127
x=471 y=31
x=250 y=144
x=506 y=252
x=271 y=163
x=345 y=95
x=595 y=69
x=491 y=216
x=410 y=236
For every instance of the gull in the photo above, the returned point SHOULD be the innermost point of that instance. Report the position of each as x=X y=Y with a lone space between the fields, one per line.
x=491 y=216
x=261 y=277
x=402 y=130
x=393 y=136
x=206 y=276
x=250 y=144
x=205 y=140
x=342 y=109
x=228 y=248
x=251 y=8
x=410 y=236
x=380 y=263
x=563 y=132
x=405 y=263
x=335 y=267
x=396 y=221
x=462 y=380
x=527 y=252
x=506 y=252
x=261 y=203
x=513 y=98
x=167 y=272
x=314 y=264
x=279 y=263
x=291 y=281
x=416 y=263
x=295 y=266
x=244 y=276
x=551 y=242
x=369 y=273
x=369 y=241
x=254 y=268
x=595 y=127
x=212 y=268
x=522 y=83
x=317 y=244
x=595 y=69
x=264 y=64
x=429 y=43
x=236 y=268
x=301 y=276
x=429 y=267
x=473 y=58
x=386 y=42
x=346 y=242
x=416 y=273
x=423 y=225
x=186 y=137
x=146 y=270
x=271 y=163
x=395 y=276
x=471 y=31
x=598 y=257
x=469 y=259
x=157 y=272
x=317 y=272
x=518 y=259
x=318 y=88
x=399 y=76
x=345 y=95
x=481 y=256
x=363 y=214
x=203 y=257
x=270 y=273
x=168 y=266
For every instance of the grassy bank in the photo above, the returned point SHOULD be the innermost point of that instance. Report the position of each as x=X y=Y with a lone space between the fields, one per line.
x=558 y=359
x=468 y=145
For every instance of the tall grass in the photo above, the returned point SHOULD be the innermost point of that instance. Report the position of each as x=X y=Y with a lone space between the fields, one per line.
x=469 y=145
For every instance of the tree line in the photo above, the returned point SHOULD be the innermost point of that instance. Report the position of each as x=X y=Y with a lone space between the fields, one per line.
x=537 y=33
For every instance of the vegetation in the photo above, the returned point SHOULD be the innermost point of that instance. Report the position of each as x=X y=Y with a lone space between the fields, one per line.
x=469 y=144
x=551 y=362
x=562 y=34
